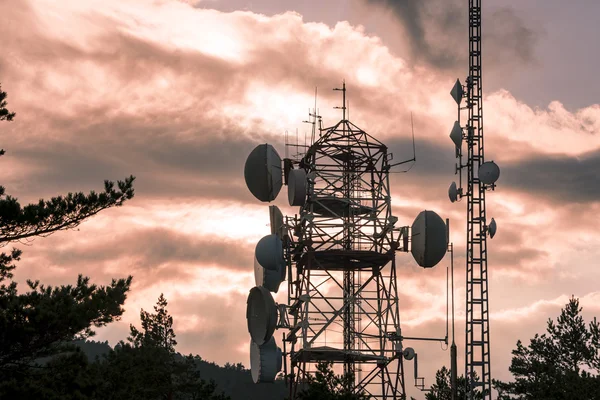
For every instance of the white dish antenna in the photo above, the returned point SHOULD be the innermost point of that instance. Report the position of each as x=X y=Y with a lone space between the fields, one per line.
x=269 y=252
x=268 y=278
x=453 y=192
x=429 y=239
x=265 y=361
x=276 y=218
x=261 y=313
x=492 y=228
x=408 y=353
x=489 y=172
x=297 y=187
x=263 y=172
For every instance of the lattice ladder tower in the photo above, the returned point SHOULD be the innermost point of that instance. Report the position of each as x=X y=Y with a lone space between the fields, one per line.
x=477 y=348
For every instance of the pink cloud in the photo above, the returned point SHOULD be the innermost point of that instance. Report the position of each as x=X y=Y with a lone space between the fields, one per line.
x=103 y=92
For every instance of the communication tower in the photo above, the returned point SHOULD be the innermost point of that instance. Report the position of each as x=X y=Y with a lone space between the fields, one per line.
x=481 y=176
x=339 y=256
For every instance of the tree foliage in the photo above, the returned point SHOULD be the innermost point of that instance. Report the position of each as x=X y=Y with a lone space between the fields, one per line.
x=326 y=385
x=59 y=213
x=442 y=389
x=153 y=369
x=563 y=363
x=39 y=324
x=5 y=115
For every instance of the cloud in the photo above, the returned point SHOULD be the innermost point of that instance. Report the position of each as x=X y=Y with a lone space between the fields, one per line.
x=437 y=32
x=179 y=96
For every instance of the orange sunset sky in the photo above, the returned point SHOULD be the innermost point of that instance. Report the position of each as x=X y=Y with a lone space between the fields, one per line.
x=178 y=93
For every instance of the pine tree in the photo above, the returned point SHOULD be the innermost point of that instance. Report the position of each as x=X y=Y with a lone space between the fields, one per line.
x=40 y=323
x=326 y=385
x=157 y=329
x=562 y=363
x=154 y=370
x=442 y=390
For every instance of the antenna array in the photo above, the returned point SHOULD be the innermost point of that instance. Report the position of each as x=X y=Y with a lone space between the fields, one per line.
x=339 y=256
x=481 y=176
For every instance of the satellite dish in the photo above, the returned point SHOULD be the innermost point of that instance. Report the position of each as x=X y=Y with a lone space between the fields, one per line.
x=456 y=135
x=268 y=278
x=263 y=172
x=276 y=218
x=297 y=187
x=269 y=252
x=265 y=361
x=408 y=353
x=489 y=172
x=492 y=228
x=261 y=313
x=453 y=192
x=429 y=239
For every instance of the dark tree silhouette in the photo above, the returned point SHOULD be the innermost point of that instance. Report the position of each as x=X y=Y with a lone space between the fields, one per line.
x=5 y=115
x=40 y=322
x=152 y=368
x=157 y=329
x=34 y=323
x=326 y=385
x=441 y=389
x=563 y=363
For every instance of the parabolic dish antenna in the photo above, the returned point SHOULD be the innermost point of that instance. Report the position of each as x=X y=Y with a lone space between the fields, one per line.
x=269 y=252
x=408 y=353
x=263 y=172
x=429 y=239
x=265 y=361
x=261 y=313
x=453 y=192
x=489 y=172
x=297 y=187
x=456 y=135
x=276 y=218
x=268 y=278
x=492 y=228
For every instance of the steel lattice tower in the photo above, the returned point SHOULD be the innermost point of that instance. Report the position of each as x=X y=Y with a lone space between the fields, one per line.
x=343 y=294
x=477 y=337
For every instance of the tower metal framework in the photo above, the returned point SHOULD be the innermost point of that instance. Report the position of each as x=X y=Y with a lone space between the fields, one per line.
x=477 y=332
x=343 y=295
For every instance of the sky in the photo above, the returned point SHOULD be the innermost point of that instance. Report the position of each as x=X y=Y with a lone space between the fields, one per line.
x=177 y=93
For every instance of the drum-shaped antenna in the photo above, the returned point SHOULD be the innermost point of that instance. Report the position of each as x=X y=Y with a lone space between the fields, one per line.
x=408 y=353
x=268 y=278
x=263 y=172
x=429 y=239
x=261 y=313
x=276 y=217
x=269 y=252
x=492 y=228
x=489 y=172
x=453 y=192
x=265 y=361
x=297 y=187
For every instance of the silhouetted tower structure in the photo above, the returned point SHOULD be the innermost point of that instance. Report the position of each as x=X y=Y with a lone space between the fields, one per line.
x=344 y=256
x=339 y=256
x=481 y=176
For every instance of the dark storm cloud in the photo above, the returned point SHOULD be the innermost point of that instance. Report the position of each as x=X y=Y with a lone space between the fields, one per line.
x=438 y=32
x=561 y=178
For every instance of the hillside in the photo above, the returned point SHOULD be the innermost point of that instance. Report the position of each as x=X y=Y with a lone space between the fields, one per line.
x=233 y=380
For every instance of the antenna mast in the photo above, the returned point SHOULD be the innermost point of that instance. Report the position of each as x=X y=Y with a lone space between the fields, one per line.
x=481 y=176
x=338 y=255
